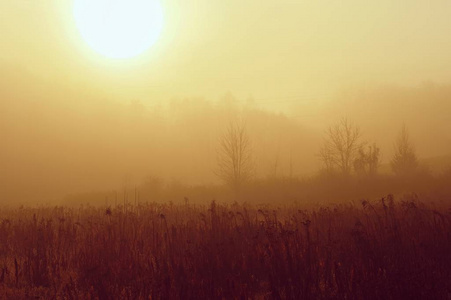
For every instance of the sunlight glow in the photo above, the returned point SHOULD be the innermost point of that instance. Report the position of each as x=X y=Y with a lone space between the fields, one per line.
x=119 y=28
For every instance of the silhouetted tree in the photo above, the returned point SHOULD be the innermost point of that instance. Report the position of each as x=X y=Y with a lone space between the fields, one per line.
x=340 y=147
x=235 y=166
x=367 y=161
x=327 y=159
x=405 y=160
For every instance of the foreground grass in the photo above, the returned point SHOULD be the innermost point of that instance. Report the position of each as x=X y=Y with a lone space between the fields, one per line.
x=383 y=250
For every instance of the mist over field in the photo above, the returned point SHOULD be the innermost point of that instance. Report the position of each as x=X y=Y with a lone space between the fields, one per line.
x=60 y=140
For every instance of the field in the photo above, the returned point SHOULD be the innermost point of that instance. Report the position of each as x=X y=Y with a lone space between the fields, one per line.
x=386 y=249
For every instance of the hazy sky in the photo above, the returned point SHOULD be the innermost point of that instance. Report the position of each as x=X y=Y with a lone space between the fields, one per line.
x=279 y=52
x=73 y=120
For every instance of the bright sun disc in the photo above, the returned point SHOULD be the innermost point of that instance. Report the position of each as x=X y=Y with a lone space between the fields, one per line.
x=119 y=28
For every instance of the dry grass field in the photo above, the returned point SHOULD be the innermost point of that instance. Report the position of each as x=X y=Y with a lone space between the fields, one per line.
x=389 y=249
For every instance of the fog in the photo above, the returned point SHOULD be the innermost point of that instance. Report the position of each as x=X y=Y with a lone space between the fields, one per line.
x=60 y=140
x=73 y=121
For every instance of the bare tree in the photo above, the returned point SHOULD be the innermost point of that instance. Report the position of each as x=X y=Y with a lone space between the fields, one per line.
x=234 y=156
x=325 y=155
x=405 y=160
x=367 y=161
x=340 y=147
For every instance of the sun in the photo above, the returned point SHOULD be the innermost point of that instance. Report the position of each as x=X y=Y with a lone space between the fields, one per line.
x=119 y=28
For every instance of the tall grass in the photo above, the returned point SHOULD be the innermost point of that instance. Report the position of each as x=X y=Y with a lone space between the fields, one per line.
x=381 y=250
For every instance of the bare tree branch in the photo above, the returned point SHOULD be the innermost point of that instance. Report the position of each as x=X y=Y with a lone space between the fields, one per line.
x=340 y=147
x=405 y=159
x=234 y=156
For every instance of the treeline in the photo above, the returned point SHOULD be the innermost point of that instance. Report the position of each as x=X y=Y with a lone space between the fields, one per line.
x=350 y=171
x=59 y=141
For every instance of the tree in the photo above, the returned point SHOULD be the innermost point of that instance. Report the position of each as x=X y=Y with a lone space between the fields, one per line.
x=405 y=160
x=234 y=156
x=367 y=161
x=340 y=147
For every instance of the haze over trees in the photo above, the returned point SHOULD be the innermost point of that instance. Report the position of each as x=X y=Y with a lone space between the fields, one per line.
x=404 y=161
x=368 y=160
x=83 y=141
x=235 y=165
x=343 y=140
